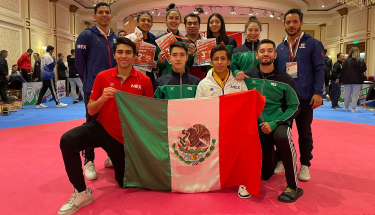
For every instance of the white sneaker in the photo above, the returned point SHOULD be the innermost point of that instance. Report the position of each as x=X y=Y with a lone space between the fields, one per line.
x=41 y=106
x=108 y=162
x=354 y=110
x=328 y=98
x=242 y=192
x=346 y=109
x=279 y=168
x=90 y=173
x=77 y=201
x=61 y=105
x=304 y=173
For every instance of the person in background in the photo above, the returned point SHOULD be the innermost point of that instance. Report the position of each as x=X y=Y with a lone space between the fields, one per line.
x=173 y=21
x=352 y=78
x=15 y=78
x=36 y=69
x=61 y=68
x=177 y=84
x=122 y=33
x=48 y=64
x=336 y=81
x=216 y=29
x=24 y=64
x=4 y=76
x=327 y=73
x=74 y=78
x=243 y=57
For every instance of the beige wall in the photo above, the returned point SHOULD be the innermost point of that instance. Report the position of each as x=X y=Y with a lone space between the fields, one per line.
x=45 y=24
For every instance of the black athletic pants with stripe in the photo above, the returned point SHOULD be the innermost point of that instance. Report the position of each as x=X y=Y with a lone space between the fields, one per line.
x=281 y=137
x=89 y=154
x=52 y=87
x=90 y=135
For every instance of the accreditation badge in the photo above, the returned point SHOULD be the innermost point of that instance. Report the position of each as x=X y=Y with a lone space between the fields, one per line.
x=291 y=69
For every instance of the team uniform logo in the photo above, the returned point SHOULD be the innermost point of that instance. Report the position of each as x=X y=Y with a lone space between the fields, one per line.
x=195 y=146
x=81 y=46
x=302 y=46
x=137 y=86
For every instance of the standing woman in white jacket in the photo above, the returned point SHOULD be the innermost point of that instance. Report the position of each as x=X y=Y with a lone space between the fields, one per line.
x=144 y=23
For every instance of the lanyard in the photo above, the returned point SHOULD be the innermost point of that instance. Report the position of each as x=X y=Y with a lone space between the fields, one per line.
x=291 y=53
x=177 y=36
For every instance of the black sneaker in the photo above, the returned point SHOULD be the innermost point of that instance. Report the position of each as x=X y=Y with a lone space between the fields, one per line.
x=75 y=102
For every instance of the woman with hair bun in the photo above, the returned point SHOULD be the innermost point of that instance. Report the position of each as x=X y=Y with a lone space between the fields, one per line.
x=243 y=57
x=173 y=20
x=216 y=29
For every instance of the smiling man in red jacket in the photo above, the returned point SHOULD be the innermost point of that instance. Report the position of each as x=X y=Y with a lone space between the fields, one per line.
x=24 y=64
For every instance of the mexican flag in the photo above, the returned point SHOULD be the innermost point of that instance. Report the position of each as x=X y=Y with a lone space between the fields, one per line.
x=192 y=145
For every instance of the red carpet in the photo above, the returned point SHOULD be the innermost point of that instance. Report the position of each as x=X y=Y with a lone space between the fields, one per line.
x=33 y=178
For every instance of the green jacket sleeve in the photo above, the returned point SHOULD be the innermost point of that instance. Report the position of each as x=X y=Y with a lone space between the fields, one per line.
x=293 y=107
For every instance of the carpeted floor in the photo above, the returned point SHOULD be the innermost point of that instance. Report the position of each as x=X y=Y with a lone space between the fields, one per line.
x=33 y=178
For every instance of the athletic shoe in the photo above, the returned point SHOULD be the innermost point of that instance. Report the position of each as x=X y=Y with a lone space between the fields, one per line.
x=346 y=109
x=41 y=106
x=75 y=102
x=90 y=173
x=338 y=107
x=304 y=173
x=108 y=162
x=61 y=105
x=354 y=110
x=77 y=201
x=327 y=97
x=242 y=192
x=279 y=168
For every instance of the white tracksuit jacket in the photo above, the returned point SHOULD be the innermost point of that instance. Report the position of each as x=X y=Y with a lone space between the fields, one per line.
x=209 y=86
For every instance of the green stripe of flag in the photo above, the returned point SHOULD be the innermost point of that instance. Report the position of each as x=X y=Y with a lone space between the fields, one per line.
x=145 y=132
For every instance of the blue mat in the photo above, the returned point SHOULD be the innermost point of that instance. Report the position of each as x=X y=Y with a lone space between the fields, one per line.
x=363 y=116
x=29 y=115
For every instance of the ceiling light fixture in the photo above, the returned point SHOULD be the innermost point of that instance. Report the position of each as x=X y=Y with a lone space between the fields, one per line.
x=265 y=13
x=279 y=17
x=272 y=14
x=157 y=12
x=135 y=16
x=232 y=11
x=357 y=3
x=251 y=12
x=195 y=11
x=109 y=2
x=126 y=21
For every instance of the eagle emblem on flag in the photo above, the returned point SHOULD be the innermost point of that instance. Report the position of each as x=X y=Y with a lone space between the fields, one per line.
x=195 y=146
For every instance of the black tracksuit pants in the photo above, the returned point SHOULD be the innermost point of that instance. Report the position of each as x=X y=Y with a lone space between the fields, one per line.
x=52 y=87
x=281 y=137
x=89 y=136
x=89 y=154
x=305 y=140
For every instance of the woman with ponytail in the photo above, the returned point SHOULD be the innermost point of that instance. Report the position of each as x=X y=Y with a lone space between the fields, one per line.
x=144 y=23
x=173 y=20
x=243 y=57
x=216 y=29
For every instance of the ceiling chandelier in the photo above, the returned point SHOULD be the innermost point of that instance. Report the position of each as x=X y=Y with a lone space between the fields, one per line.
x=109 y=2
x=357 y=3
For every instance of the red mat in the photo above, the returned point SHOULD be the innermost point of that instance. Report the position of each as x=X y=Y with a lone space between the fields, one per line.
x=33 y=178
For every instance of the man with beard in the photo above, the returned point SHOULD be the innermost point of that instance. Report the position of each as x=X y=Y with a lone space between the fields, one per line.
x=93 y=55
x=302 y=57
x=282 y=106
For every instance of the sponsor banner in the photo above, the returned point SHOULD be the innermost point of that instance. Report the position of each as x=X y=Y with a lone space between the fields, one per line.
x=204 y=49
x=31 y=92
x=145 y=57
x=362 y=95
x=164 y=43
